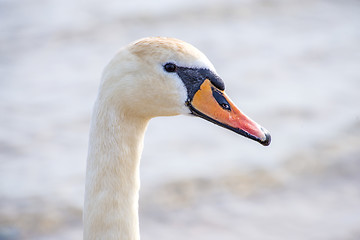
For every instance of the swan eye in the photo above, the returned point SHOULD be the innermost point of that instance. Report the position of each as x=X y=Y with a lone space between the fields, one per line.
x=170 y=67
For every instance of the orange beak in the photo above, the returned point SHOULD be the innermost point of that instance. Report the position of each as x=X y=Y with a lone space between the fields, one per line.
x=214 y=105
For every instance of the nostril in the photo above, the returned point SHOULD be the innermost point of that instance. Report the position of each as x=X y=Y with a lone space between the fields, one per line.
x=225 y=106
x=221 y=100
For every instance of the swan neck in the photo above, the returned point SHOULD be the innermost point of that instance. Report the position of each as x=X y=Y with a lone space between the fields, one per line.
x=112 y=175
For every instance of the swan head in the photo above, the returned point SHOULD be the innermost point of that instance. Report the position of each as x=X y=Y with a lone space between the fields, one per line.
x=164 y=76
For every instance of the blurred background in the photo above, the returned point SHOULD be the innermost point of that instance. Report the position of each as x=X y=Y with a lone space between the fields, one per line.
x=293 y=66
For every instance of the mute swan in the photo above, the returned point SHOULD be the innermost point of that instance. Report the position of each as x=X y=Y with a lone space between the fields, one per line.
x=148 y=78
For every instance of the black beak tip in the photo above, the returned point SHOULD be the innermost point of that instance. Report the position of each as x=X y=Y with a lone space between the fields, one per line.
x=267 y=140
